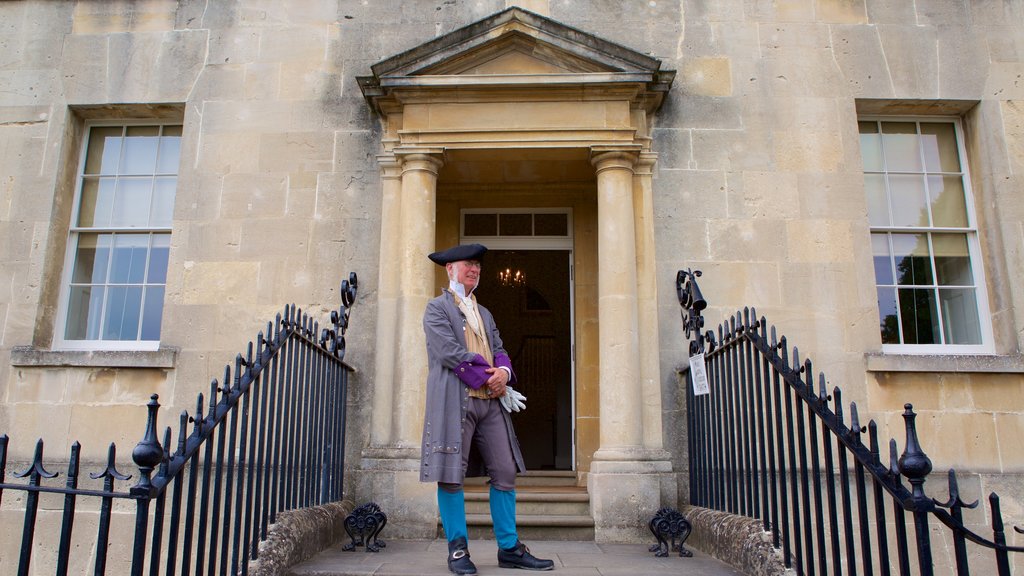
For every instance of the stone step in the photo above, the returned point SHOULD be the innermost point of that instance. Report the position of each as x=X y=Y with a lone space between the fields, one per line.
x=536 y=527
x=532 y=500
x=549 y=506
x=535 y=478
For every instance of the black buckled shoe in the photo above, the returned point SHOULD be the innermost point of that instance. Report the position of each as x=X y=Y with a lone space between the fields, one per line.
x=519 y=557
x=458 y=557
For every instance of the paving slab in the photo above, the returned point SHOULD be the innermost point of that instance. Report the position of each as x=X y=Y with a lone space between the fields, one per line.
x=572 y=558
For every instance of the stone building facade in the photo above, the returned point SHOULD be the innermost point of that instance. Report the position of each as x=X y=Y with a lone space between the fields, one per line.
x=852 y=168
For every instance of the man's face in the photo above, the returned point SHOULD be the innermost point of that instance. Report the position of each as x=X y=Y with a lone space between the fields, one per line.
x=465 y=272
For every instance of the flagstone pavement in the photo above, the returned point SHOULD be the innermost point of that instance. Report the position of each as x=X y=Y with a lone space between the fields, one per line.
x=427 y=558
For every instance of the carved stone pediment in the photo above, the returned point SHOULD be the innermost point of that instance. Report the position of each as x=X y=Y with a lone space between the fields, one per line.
x=515 y=50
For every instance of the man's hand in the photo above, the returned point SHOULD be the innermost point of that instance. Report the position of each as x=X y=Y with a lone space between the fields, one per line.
x=496 y=383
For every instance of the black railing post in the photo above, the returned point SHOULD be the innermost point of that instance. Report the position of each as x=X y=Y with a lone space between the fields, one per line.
x=147 y=455
x=915 y=465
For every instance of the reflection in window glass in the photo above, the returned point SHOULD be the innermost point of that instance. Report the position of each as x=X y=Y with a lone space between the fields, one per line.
x=922 y=242
x=938 y=140
x=883 y=259
x=901 y=147
x=480 y=224
x=961 y=324
x=947 y=200
x=551 y=224
x=909 y=206
x=952 y=260
x=117 y=279
x=919 y=316
x=515 y=224
x=889 y=321
x=913 y=261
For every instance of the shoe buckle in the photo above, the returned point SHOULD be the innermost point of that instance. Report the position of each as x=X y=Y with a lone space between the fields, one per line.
x=459 y=554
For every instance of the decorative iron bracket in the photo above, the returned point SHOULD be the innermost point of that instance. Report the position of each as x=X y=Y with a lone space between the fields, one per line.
x=692 y=303
x=668 y=525
x=366 y=522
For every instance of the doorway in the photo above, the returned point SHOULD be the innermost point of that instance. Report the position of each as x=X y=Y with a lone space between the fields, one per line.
x=529 y=292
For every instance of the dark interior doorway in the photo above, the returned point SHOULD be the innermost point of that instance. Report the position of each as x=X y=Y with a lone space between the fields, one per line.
x=534 y=318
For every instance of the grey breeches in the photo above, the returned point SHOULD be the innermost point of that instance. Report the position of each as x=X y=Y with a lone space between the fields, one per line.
x=484 y=431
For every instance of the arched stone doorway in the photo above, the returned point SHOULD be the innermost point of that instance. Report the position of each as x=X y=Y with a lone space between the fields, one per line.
x=519 y=111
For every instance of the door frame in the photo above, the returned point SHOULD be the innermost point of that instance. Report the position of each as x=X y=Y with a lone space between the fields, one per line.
x=539 y=243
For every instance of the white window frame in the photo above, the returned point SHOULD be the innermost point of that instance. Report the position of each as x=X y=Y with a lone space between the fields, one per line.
x=971 y=231
x=519 y=242
x=74 y=232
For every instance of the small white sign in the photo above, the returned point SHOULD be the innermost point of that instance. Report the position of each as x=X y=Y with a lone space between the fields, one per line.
x=699 y=375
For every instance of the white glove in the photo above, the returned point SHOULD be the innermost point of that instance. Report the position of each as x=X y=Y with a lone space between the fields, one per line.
x=513 y=401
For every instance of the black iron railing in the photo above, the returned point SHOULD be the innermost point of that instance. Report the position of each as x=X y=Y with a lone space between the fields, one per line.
x=272 y=439
x=764 y=443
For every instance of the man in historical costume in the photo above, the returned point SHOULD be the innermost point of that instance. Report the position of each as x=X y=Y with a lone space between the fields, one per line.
x=467 y=430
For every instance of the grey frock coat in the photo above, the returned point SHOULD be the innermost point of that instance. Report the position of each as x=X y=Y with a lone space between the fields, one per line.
x=447 y=396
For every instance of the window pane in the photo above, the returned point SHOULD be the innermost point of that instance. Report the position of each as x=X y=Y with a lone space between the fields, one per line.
x=887 y=319
x=952 y=260
x=91 y=259
x=870 y=146
x=104 y=150
x=515 y=224
x=97 y=202
x=908 y=200
x=129 y=261
x=140 y=147
x=878 y=201
x=883 y=259
x=152 y=313
x=158 y=259
x=901 y=147
x=919 y=316
x=84 y=308
x=481 y=224
x=124 y=304
x=913 y=265
x=163 y=201
x=551 y=224
x=961 y=324
x=131 y=202
x=938 y=140
x=947 y=197
x=170 y=151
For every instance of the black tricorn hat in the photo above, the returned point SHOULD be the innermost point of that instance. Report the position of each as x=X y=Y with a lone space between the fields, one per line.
x=457 y=253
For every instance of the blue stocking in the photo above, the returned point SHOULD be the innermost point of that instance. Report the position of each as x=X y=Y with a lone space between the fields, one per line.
x=452 y=506
x=503 y=515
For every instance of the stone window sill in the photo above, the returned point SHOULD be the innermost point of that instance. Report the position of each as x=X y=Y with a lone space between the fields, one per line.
x=991 y=364
x=165 y=357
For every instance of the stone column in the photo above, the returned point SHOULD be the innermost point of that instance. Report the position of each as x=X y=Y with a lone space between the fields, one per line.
x=647 y=301
x=388 y=285
x=390 y=466
x=626 y=476
x=621 y=428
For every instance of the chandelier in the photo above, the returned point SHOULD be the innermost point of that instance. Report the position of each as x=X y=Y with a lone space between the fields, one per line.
x=510 y=277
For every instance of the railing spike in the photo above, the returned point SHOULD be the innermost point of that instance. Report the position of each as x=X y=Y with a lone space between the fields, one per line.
x=914 y=463
x=894 y=457
x=822 y=394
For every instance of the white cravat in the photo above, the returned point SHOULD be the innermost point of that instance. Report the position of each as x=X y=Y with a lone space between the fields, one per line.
x=466 y=304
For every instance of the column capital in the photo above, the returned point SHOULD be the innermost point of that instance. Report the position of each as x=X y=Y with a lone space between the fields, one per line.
x=645 y=163
x=614 y=157
x=390 y=166
x=423 y=159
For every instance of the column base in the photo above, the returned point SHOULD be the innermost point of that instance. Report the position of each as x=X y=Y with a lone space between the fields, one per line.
x=625 y=495
x=391 y=478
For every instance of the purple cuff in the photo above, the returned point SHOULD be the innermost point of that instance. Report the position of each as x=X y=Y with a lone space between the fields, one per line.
x=503 y=361
x=472 y=372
